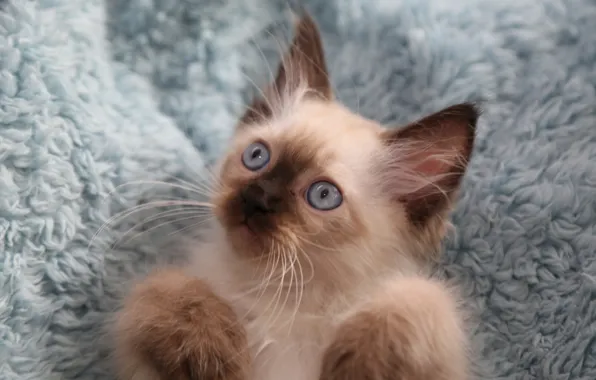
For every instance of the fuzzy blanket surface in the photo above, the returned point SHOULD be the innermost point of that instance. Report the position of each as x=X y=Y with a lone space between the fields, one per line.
x=95 y=94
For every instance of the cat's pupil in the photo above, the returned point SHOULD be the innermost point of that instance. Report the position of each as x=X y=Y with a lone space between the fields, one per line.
x=256 y=153
x=324 y=193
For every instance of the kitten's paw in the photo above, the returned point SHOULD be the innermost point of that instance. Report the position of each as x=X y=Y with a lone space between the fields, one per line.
x=411 y=331
x=173 y=327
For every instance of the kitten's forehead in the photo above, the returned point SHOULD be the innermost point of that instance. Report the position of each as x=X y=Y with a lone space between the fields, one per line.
x=330 y=134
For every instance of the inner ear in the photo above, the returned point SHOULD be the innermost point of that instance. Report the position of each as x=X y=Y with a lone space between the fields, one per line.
x=427 y=160
x=303 y=66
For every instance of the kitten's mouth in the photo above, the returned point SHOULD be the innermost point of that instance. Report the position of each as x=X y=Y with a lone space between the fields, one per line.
x=246 y=225
x=255 y=223
x=253 y=228
x=247 y=234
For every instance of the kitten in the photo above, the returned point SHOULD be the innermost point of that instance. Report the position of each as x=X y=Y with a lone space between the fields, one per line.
x=315 y=266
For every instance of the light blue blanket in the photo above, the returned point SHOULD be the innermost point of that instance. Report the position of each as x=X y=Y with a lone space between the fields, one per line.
x=98 y=93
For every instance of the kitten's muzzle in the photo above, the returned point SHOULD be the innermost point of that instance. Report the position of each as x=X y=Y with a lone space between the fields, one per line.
x=255 y=200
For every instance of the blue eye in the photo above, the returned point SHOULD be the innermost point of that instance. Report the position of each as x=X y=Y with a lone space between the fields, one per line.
x=256 y=156
x=324 y=196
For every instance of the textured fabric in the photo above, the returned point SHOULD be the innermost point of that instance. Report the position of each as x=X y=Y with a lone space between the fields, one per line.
x=96 y=94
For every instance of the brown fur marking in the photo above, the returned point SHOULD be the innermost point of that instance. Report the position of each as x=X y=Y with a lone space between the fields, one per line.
x=287 y=174
x=176 y=325
x=451 y=132
x=411 y=332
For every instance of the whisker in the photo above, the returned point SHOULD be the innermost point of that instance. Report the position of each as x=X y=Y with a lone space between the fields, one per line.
x=163 y=183
x=143 y=207
x=311 y=243
x=162 y=214
x=278 y=292
x=120 y=216
x=311 y=265
x=206 y=184
x=299 y=291
x=273 y=86
x=194 y=225
x=263 y=285
x=195 y=216
x=293 y=277
x=242 y=105
x=261 y=92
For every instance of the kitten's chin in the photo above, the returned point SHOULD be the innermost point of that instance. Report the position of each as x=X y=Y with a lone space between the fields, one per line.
x=245 y=240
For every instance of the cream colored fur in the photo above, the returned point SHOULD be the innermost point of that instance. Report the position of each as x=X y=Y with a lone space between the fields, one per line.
x=289 y=328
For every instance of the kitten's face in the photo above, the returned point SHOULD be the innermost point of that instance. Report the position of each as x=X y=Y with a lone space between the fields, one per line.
x=309 y=179
x=297 y=182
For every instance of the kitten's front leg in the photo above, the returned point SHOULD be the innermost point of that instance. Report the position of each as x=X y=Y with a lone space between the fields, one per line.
x=409 y=331
x=173 y=327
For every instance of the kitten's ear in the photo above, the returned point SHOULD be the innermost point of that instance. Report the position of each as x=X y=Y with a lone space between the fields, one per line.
x=302 y=66
x=428 y=158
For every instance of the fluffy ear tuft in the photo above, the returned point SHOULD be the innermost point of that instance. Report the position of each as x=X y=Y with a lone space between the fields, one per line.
x=303 y=67
x=426 y=160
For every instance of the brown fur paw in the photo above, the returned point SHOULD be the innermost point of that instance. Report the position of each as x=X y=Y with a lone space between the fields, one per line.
x=173 y=327
x=410 y=332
